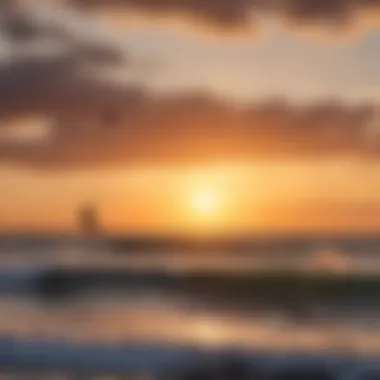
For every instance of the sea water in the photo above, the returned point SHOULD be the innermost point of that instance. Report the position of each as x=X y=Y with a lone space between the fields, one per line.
x=146 y=315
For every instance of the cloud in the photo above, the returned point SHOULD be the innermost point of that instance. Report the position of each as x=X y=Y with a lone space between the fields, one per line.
x=54 y=86
x=101 y=124
x=51 y=70
x=49 y=65
x=21 y=28
x=26 y=24
x=95 y=121
x=334 y=15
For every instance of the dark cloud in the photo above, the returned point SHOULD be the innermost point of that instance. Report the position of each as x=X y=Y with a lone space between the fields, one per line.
x=52 y=80
x=20 y=28
x=22 y=23
x=18 y=23
x=55 y=86
x=221 y=12
x=100 y=124
x=97 y=122
x=242 y=13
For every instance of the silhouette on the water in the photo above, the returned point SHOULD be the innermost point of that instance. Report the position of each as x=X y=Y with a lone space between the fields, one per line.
x=88 y=220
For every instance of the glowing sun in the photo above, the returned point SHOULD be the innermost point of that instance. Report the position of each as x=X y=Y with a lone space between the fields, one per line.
x=205 y=202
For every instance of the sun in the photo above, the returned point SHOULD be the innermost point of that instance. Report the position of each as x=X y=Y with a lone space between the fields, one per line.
x=205 y=202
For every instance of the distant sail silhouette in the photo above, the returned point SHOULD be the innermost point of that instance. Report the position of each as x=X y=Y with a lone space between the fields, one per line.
x=88 y=220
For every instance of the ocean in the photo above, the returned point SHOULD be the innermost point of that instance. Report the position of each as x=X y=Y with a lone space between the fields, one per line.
x=73 y=307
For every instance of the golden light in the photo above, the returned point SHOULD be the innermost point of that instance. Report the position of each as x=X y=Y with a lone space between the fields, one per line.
x=205 y=202
x=210 y=332
x=206 y=210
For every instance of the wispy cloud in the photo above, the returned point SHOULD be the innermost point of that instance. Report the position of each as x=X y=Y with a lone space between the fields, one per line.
x=245 y=15
x=101 y=124
x=52 y=71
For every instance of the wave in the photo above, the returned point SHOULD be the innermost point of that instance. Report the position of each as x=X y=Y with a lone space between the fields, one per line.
x=160 y=359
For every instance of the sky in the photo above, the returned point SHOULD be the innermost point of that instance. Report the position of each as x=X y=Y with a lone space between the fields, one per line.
x=142 y=107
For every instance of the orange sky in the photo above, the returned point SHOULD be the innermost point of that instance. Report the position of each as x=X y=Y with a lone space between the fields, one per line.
x=83 y=88
x=249 y=197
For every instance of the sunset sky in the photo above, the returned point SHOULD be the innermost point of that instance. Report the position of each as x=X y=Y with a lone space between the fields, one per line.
x=149 y=108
